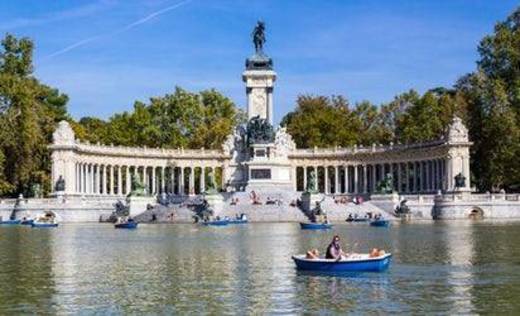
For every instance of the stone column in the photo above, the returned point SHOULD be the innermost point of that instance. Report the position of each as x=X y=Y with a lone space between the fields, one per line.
x=356 y=182
x=374 y=178
x=304 y=178
x=79 y=178
x=97 y=182
x=336 y=180
x=172 y=180
x=82 y=178
x=407 y=180
x=428 y=181
x=119 y=181
x=154 y=181
x=365 y=178
x=432 y=175
x=345 y=168
x=128 y=180
x=181 y=182
x=103 y=179
x=202 y=179
x=421 y=176
x=326 y=183
x=399 y=177
x=192 y=181
x=316 y=177
x=87 y=178
x=111 y=185
x=434 y=180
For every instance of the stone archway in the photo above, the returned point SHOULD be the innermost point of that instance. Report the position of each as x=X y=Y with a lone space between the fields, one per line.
x=476 y=213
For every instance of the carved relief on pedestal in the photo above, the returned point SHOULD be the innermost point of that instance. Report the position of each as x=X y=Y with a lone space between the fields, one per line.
x=259 y=100
x=457 y=132
x=283 y=143
x=63 y=135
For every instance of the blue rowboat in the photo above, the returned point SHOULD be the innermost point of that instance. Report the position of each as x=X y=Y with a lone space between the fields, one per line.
x=380 y=223
x=221 y=222
x=27 y=222
x=238 y=221
x=10 y=222
x=315 y=226
x=127 y=225
x=355 y=263
x=43 y=225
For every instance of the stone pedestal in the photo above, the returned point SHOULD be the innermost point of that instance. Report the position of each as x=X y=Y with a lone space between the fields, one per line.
x=309 y=200
x=139 y=204
x=215 y=203
x=387 y=202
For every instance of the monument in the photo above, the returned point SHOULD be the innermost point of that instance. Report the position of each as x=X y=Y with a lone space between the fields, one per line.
x=257 y=156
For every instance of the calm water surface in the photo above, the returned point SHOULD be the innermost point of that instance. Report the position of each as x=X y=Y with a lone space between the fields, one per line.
x=457 y=267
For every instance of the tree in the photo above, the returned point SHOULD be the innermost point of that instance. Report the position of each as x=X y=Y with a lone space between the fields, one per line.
x=181 y=119
x=322 y=122
x=29 y=111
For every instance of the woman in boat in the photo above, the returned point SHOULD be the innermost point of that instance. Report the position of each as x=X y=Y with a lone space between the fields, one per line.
x=334 y=250
x=313 y=254
x=376 y=253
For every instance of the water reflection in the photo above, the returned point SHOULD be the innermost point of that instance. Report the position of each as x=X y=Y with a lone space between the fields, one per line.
x=442 y=267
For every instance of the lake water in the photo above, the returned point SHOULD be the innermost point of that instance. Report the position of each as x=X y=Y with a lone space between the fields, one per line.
x=440 y=267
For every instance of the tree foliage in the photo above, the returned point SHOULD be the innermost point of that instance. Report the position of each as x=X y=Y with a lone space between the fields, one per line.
x=29 y=111
x=181 y=119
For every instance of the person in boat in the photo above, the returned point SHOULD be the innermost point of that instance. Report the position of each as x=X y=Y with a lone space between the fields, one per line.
x=376 y=253
x=350 y=218
x=334 y=250
x=313 y=254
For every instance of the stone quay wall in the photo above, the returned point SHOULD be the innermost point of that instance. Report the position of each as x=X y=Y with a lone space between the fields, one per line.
x=68 y=209
x=448 y=206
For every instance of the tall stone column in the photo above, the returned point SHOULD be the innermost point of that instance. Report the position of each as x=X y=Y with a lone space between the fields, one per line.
x=192 y=181
x=163 y=182
x=119 y=181
x=111 y=183
x=172 y=180
x=347 y=183
x=154 y=181
x=181 y=182
x=128 y=180
x=336 y=180
x=326 y=176
x=98 y=179
x=316 y=177
x=407 y=177
x=421 y=176
x=391 y=165
x=374 y=178
x=304 y=178
x=202 y=179
x=259 y=89
x=79 y=179
x=356 y=180
x=399 y=177
x=428 y=176
x=102 y=179
x=82 y=178
x=365 y=178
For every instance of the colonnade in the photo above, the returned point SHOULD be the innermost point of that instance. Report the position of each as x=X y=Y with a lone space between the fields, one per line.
x=424 y=176
x=102 y=179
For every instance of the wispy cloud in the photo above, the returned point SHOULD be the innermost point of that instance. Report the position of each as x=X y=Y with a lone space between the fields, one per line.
x=77 y=12
x=118 y=31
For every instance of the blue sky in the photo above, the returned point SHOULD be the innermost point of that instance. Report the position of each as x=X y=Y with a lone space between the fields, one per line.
x=105 y=54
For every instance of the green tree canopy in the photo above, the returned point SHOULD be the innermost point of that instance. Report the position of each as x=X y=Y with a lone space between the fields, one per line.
x=180 y=119
x=29 y=111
